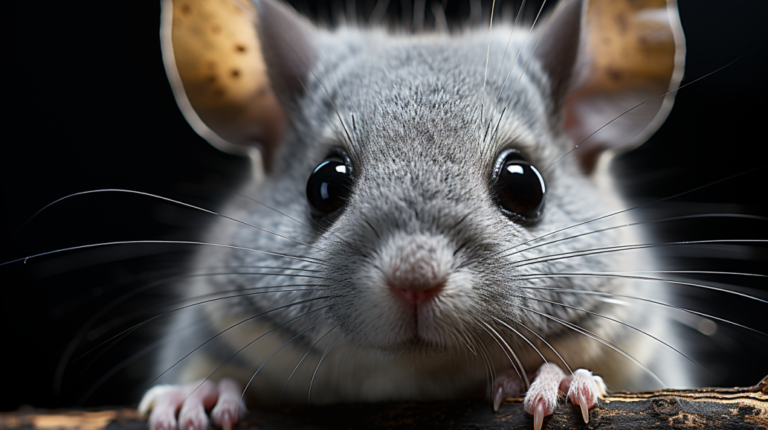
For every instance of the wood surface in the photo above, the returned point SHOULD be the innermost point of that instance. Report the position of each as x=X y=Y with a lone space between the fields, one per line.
x=708 y=408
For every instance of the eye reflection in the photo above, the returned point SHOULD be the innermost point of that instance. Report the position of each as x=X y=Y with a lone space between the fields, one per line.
x=519 y=187
x=328 y=187
x=514 y=168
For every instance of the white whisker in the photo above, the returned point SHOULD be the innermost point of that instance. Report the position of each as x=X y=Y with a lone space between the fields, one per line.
x=301 y=361
x=639 y=278
x=273 y=354
x=592 y=336
x=655 y=302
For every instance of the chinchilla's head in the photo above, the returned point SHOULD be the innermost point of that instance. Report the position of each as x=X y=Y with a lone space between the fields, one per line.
x=428 y=169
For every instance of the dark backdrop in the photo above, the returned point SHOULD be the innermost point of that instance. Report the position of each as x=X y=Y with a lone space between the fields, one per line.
x=87 y=105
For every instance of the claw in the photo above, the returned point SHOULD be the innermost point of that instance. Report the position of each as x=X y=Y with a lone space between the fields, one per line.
x=538 y=416
x=580 y=399
x=226 y=422
x=497 y=399
x=584 y=410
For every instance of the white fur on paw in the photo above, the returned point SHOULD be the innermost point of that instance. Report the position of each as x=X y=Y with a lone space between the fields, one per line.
x=191 y=401
x=163 y=401
x=541 y=398
x=201 y=397
x=585 y=390
x=229 y=408
x=151 y=397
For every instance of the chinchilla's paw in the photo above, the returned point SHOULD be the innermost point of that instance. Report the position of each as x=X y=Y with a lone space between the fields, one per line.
x=582 y=389
x=191 y=401
x=507 y=384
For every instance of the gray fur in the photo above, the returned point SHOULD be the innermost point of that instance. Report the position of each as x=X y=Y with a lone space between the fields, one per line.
x=422 y=166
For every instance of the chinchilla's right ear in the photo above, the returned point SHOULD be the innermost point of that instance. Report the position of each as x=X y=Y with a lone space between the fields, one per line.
x=236 y=67
x=614 y=66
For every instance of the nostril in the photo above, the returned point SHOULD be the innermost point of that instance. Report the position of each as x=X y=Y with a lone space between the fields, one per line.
x=415 y=297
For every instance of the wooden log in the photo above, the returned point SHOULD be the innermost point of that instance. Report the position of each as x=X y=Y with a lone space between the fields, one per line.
x=708 y=408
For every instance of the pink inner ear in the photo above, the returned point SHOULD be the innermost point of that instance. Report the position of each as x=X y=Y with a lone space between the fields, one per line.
x=221 y=78
x=632 y=55
x=289 y=53
x=559 y=45
x=597 y=120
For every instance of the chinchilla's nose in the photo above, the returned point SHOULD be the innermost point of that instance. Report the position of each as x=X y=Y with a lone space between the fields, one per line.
x=416 y=267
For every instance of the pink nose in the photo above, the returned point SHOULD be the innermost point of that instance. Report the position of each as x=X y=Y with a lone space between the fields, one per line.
x=415 y=297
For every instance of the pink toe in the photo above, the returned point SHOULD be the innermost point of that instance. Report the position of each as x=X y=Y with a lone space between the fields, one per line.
x=507 y=384
x=585 y=389
x=163 y=415
x=229 y=409
x=544 y=391
x=201 y=396
x=162 y=421
x=192 y=417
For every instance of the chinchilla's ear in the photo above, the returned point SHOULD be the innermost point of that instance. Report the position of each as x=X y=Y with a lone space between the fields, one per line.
x=235 y=67
x=624 y=55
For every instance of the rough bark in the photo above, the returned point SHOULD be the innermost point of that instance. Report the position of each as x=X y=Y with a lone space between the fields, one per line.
x=709 y=408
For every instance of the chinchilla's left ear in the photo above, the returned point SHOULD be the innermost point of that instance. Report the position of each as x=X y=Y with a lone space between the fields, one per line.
x=214 y=59
x=605 y=57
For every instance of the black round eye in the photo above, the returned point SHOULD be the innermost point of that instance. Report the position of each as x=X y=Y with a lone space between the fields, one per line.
x=328 y=187
x=519 y=186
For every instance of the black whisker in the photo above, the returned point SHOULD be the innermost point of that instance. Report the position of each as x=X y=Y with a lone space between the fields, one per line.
x=338 y=114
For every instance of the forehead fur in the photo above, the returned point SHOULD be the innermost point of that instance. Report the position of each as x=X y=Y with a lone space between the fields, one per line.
x=424 y=98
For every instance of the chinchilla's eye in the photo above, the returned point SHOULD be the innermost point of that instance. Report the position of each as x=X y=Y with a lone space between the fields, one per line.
x=328 y=186
x=519 y=187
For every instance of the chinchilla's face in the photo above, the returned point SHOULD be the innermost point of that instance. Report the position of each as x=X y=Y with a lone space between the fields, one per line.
x=428 y=171
x=426 y=218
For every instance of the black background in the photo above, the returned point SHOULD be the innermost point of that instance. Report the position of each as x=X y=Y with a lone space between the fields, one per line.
x=86 y=105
